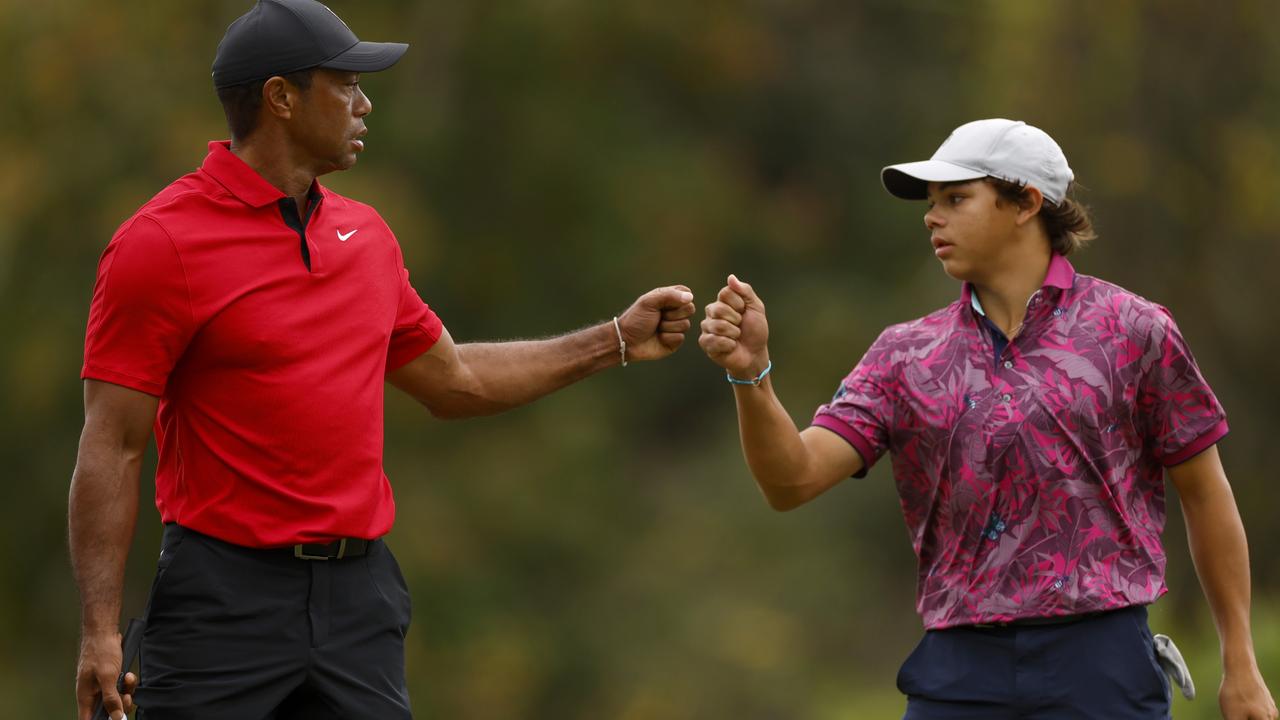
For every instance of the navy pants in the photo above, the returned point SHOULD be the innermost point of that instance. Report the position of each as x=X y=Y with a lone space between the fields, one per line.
x=236 y=633
x=1103 y=666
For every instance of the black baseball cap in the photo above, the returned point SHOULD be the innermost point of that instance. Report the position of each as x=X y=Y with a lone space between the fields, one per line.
x=277 y=37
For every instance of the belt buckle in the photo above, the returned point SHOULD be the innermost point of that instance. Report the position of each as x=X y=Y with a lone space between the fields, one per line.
x=298 y=552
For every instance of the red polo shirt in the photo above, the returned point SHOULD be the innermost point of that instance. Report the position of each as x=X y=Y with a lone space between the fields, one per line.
x=268 y=348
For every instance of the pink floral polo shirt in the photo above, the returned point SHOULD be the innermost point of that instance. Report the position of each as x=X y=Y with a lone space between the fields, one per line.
x=1032 y=482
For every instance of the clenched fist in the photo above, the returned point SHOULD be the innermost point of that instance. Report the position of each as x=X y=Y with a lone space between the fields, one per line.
x=655 y=324
x=735 y=333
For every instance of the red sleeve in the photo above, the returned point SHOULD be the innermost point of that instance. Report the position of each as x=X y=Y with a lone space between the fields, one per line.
x=417 y=326
x=140 y=319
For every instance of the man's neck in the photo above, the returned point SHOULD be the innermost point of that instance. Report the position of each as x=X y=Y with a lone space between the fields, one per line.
x=272 y=161
x=1004 y=294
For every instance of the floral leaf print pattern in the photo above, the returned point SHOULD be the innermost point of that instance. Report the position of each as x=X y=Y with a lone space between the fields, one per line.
x=1032 y=486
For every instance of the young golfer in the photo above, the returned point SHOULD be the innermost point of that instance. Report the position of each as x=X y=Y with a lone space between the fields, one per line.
x=1031 y=423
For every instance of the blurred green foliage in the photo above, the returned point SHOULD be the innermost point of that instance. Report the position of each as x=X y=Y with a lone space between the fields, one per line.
x=603 y=553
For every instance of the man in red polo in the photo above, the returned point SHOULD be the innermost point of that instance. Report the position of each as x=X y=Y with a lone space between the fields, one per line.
x=251 y=317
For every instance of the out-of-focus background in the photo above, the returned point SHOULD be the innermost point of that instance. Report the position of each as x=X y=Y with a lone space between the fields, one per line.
x=604 y=553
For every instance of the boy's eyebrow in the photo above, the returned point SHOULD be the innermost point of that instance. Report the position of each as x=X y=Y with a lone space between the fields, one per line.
x=943 y=187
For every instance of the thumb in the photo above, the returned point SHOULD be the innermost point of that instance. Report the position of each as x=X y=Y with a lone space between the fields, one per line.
x=670 y=298
x=746 y=291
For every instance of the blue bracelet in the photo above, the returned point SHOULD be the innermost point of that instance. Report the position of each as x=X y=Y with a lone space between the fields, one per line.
x=754 y=382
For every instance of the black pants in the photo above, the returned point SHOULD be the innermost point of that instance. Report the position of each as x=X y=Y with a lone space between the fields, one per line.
x=1100 y=667
x=235 y=633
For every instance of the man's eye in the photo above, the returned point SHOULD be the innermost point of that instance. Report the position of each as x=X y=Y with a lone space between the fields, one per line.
x=955 y=199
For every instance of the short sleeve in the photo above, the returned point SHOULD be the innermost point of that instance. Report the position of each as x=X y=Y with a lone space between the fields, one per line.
x=140 y=318
x=417 y=327
x=1178 y=414
x=862 y=409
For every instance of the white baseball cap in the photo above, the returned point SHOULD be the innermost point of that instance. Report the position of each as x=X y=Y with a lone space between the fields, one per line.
x=1006 y=149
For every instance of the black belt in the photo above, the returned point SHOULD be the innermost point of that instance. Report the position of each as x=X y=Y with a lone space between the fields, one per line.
x=1040 y=621
x=336 y=550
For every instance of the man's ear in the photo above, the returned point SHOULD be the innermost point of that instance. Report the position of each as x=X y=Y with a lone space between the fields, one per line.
x=279 y=97
x=1029 y=204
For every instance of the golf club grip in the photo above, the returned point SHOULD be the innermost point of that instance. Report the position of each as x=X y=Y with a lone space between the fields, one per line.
x=129 y=646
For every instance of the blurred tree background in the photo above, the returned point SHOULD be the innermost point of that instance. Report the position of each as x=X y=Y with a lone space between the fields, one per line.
x=603 y=553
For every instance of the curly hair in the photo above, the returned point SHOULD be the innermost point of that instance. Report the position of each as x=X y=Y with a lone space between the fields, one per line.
x=1067 y=223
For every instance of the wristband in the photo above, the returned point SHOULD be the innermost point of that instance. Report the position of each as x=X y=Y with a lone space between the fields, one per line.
x=622 y=344
x=754 y=382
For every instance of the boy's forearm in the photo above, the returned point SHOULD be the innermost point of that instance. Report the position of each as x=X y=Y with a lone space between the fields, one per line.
x=771 y=443
x=1219 y=549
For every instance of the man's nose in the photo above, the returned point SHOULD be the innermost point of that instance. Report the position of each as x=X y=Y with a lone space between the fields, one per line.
x=932 y=219
x=364 y=105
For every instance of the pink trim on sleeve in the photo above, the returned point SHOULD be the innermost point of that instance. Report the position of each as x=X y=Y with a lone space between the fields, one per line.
x=851 y=436
x=1197 y=446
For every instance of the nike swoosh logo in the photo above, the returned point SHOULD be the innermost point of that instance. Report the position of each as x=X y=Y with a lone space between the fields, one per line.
x=343 y=238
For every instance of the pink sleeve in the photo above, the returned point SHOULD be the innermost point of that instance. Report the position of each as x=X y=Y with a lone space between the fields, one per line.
x=1178 y=414
x=140 y=318
x=862 y=410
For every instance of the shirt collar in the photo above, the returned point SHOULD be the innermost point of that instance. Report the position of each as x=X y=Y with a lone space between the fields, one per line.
x=241 y=180
x=1061 y=275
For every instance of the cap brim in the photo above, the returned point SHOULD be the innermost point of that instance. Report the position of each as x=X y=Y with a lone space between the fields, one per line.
x=910 y=181
x=367 y=57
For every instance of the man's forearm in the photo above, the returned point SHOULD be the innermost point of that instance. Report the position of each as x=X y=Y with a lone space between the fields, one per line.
x=103 y=510
x=509 y=374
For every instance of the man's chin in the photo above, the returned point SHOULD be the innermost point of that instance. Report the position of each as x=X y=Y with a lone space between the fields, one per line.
x=344 y=163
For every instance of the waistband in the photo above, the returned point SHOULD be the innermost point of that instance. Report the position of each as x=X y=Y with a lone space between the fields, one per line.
x=338 y=549
x=1050 y=620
